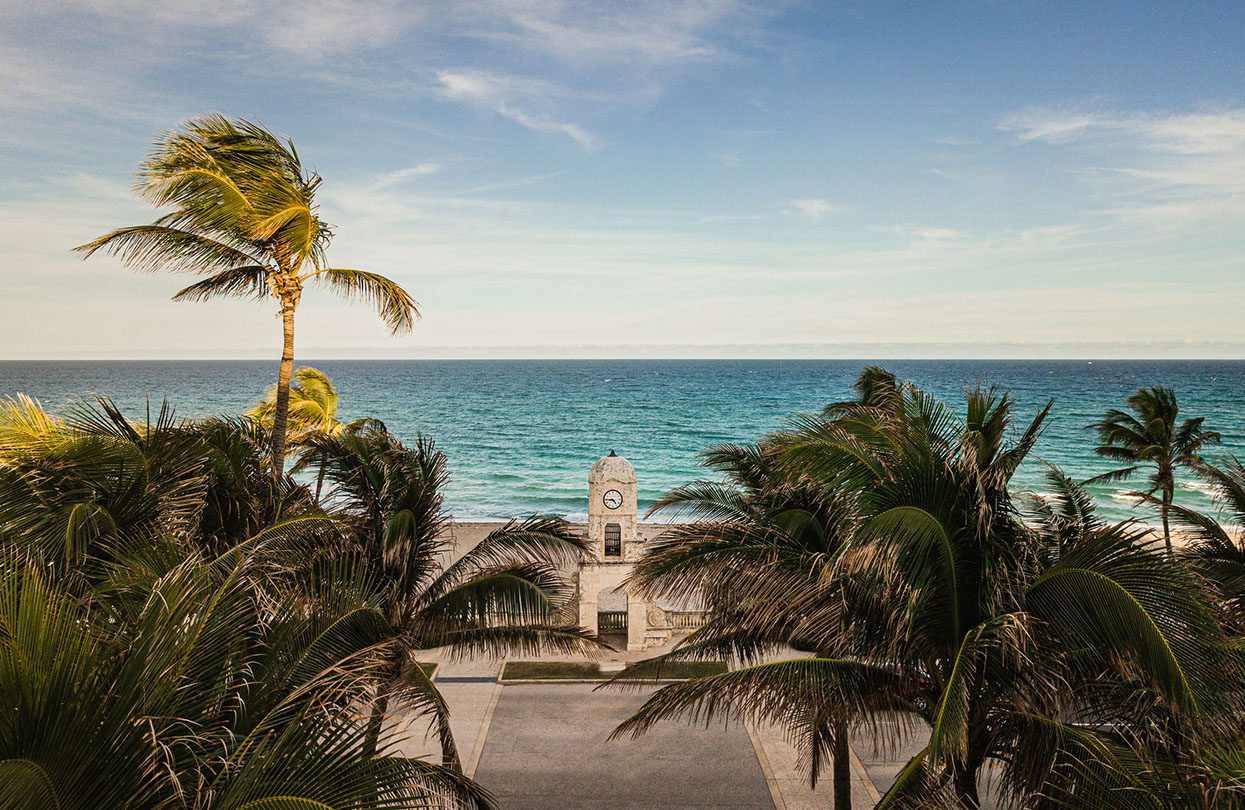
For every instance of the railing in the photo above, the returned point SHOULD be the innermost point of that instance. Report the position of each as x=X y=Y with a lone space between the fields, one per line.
x=611 y=621
x=686 y=619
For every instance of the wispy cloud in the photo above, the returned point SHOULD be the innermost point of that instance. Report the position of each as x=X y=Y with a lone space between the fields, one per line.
x=1155 y=169
x=399 y=176
x=812 y=207
x=639 y=33
x=1177 y=133
x=1056 y=126
x=506 y=96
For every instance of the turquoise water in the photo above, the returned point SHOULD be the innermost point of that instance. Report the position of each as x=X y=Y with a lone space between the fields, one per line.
x=521 y=435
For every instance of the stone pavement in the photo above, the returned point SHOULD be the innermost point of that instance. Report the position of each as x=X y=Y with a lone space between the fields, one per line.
x=534 y=743
x=471 y=690
x=547 y=749
x=532 y=725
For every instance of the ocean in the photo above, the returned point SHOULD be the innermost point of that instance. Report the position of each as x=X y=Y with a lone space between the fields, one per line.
x=522 y=434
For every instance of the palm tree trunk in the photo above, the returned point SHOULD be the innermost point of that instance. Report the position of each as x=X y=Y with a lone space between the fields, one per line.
x=380 y=707
x=842 y=768
x=966 y=789
x=319 y=483
x=1168 y=496
x=280 y=417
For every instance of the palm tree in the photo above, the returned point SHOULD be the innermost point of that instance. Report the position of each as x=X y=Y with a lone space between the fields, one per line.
x=508 y=593
x=313 y=405
x=64 y=479
x=187 y=688
x=1150 y=435
x=313 y=408
x=1216 y=548
x=1052 y=656
x=875 y=387
x=757 y=534
x=244 y=214
x=152 y=656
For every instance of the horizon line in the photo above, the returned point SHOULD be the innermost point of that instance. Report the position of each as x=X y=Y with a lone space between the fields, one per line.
x=849 y=351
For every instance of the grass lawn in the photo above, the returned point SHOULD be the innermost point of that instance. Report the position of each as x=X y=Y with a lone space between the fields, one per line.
x=682 y=670
x=429 y=668
x=590 y=671
x=550 y=670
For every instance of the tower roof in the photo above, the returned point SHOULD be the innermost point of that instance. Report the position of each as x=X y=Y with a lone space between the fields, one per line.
x=612 y=468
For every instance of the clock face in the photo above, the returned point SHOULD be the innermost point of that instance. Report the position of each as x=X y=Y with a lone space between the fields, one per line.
x=612 y=499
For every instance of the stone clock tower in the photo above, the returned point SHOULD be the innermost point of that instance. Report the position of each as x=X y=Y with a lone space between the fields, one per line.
x=612 y=508
x=615 y=545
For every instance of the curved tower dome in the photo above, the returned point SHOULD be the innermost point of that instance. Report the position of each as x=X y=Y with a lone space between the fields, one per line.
x=612 y=468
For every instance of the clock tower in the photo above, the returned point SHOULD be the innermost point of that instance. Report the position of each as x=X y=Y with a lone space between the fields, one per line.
x=612 y=509
x=606 y=605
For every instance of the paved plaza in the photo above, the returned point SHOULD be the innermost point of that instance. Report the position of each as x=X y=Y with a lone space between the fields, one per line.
x=546 y=749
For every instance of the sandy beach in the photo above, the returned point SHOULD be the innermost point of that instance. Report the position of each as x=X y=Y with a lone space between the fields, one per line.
x=465 y=535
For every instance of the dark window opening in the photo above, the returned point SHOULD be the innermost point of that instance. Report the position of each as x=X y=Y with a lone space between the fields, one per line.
x=613 y=540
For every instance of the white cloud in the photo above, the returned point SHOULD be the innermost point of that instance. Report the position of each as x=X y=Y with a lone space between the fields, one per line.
x=1155 y=169
x=397 y=176
x=505 y=94
x=640 y=33
x=1176 y=133
x=324 y=28
x=812 y=207
x=1046 y=125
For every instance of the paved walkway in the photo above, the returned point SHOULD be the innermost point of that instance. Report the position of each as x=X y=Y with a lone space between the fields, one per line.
x=547 y=749
x=507 y=736
x=544 y=746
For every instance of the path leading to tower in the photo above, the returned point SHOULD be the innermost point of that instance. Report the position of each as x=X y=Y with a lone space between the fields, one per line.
x=546 y=749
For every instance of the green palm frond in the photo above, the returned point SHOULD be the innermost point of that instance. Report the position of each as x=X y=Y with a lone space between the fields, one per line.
x=415 y=692
x=807 y=697
x=314 y=403
x=1116 y=596
x=519 y=594
x=156 y=248
x=918 y=786
x=396 y=307
x=1074 y=766
x=1001 y=638
x=237 y=282
x=517 y=640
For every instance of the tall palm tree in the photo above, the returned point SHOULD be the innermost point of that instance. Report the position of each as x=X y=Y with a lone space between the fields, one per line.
x=313 y=405
x=1150 y=435
x=244 y=214
x=1216 y=549
x=758 y=533
x=1041 y=653
x=509 y=593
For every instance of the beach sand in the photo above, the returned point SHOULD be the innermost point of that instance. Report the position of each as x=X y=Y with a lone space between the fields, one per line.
x=466 y=535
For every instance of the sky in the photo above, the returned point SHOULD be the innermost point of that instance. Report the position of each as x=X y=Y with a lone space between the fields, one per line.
x=668 y=178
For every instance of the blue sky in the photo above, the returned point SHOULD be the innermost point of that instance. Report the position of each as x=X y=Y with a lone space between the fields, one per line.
x=659 y=178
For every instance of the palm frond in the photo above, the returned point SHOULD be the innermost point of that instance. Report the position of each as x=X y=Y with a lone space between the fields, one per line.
x=395 y=305
x=237 y=282
x=155 y=248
